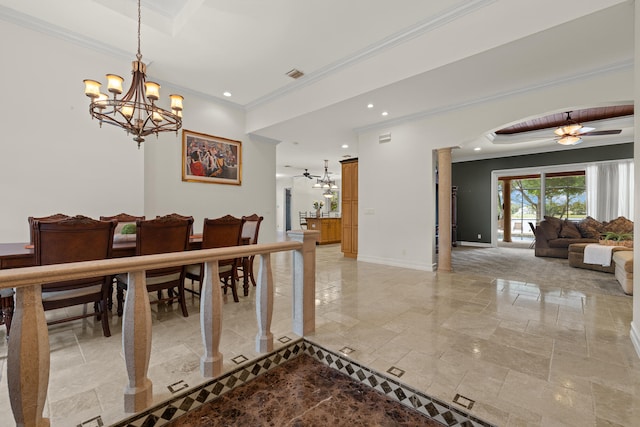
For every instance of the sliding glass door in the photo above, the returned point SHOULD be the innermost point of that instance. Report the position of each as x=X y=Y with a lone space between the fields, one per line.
x=530 y=197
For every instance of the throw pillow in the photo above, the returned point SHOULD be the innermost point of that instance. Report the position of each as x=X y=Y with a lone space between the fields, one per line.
x=129 y=228
x=549 y=230
x=590 y=228
x=569 y=230
x=556 y=223
x=619 y=225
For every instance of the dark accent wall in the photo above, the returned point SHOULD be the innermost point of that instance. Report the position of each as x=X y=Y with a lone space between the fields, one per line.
x=473 y=179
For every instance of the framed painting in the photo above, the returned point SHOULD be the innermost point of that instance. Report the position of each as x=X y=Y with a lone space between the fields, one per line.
x=211 y=159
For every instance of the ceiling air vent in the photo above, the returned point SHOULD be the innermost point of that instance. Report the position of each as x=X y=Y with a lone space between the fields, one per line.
x=295 y=73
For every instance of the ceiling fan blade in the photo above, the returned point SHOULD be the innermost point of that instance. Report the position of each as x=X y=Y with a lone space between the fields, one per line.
x=583 y=130
x=602 y=132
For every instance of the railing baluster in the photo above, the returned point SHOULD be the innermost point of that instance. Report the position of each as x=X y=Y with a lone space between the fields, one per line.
x=304 y=282
x=28 y=359
x=211 y=321
x=28 y=355
x=264 y=305
x=136 y=343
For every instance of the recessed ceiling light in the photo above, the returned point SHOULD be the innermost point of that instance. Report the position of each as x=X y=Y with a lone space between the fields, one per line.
x=345 y=146
x=369 y=105
x=384 y=113
x=477 y=149
x=227 y=93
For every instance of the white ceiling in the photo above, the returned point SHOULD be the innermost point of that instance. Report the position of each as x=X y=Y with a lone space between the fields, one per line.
x=421 y=50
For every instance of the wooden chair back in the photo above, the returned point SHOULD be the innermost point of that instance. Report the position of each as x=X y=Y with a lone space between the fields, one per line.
x=251 y=228
x=75 y=239
x=222 y=232
x=303 y=219
x=50 y=218
x=162 y=235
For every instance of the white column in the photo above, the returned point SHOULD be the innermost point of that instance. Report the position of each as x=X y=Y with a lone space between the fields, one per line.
x=264 y=305
x=304 y=282
x=28 y=359
x=211 y=321
x=136 y=343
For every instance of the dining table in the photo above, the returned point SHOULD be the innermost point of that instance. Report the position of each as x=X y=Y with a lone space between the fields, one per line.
x=18 y=255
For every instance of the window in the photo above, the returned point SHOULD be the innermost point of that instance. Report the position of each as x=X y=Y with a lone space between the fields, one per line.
x=559 y=194
x=565 y=195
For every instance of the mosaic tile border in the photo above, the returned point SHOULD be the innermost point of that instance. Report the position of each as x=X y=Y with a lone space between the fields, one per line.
x=169 y=410
x=184 y=402
x=407 y=396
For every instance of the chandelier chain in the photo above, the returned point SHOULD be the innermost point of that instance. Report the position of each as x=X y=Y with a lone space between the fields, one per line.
x=139 y=55
x=136 y=111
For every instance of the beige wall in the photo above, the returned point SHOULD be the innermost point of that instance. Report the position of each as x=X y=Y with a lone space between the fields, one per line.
x=55 y=158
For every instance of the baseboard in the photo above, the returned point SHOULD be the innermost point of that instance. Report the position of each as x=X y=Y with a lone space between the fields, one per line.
x=477 y=244
x=396 y=263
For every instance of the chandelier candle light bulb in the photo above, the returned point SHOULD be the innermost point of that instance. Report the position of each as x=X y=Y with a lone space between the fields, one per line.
x=136 y=111
x=326 y=183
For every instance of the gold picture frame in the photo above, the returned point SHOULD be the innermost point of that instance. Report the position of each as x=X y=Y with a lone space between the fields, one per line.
x=211 y=159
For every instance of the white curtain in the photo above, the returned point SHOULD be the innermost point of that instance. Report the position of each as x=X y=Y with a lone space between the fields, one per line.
x=610 y=190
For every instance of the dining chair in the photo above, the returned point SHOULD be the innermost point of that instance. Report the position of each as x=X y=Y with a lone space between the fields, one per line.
x=155 y=236
x=178 y=216
x=31 y=219
x=303 y=219
x=124 y=222
x=533 y=230
x=250 y=231
x=218 y=233
x=6 y=308
x=75 y=239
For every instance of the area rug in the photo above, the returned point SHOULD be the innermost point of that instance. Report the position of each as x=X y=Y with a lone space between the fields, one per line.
x=522 y=265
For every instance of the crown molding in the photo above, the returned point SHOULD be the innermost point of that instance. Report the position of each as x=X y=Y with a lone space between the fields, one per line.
x=448 y=15
x=611 y=68
x=48 y=29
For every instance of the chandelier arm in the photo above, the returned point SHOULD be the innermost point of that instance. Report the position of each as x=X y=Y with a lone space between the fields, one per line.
x=136 y=111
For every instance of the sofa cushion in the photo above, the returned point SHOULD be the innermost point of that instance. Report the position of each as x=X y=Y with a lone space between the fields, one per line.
x=555 y=222
x=624 y=259
x=590 y=228
x=569 y=230
x=618 y=225
x=549 y=230
x=562 y=242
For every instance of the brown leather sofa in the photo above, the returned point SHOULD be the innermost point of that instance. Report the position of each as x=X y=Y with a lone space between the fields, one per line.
x=554 y=235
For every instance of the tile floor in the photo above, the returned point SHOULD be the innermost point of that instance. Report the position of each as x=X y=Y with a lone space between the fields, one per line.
x=526 y=354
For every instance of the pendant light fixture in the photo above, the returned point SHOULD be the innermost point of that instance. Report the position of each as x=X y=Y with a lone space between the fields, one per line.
x=136 y=111
x=326 y=183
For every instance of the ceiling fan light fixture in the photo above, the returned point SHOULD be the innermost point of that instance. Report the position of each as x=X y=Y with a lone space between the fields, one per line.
x=570 y=140
x=568 y=129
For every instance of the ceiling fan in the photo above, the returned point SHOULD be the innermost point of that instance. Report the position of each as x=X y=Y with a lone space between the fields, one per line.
x=571 y=132
x=306 y=174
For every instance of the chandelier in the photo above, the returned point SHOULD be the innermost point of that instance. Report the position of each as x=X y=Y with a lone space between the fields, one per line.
x=136 y=111
x=326 y=183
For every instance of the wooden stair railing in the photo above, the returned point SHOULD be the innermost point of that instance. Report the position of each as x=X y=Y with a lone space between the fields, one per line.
x=28 y=357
